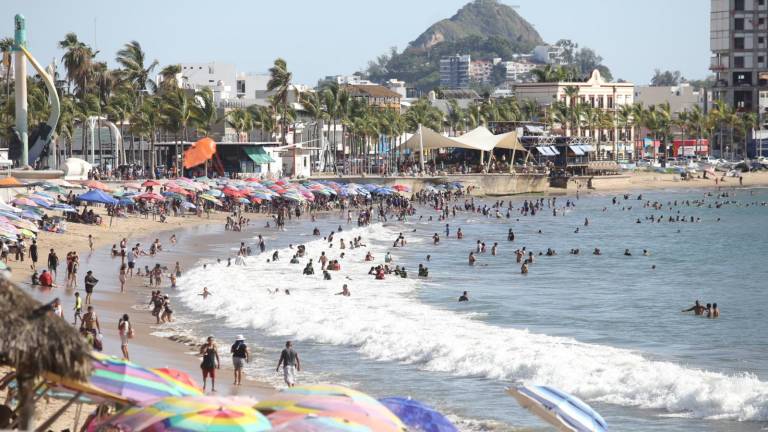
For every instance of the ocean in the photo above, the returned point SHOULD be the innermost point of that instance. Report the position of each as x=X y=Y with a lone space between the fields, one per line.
x=606 y=328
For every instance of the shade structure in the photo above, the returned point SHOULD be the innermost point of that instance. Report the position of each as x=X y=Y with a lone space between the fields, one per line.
x=258 y=155
x=565 y=412
x=417 y=416
x=479 y=138
x=198 y=413
x=201 y=151
x=133 y=382
x=97 y=196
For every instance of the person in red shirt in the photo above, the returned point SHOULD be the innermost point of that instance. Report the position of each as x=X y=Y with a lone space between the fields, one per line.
x=45 y=279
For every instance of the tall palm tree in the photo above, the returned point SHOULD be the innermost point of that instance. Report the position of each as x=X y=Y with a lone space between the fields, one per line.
x=749 y=121
x=132 y=58
x=279 y=83
x=204 y=112
x=6 y=46
x=263 y=120
x=240 y=120
x=168 y=76
x=146 y=123
x=78 y=60
x=177 y=112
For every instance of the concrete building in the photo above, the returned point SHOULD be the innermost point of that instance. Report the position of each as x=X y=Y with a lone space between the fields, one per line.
x=739 y=45
x=549 y=54
x=681 y=97
x=597 y=92
x=455 y=71
x=480 y=70
x=348 y=80
x=398 y=87
x=518 y=71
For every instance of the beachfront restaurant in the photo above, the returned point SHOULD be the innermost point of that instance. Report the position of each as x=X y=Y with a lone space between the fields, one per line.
x=232 y=159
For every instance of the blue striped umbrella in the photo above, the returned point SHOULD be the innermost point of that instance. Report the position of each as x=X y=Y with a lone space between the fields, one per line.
x=566 y=412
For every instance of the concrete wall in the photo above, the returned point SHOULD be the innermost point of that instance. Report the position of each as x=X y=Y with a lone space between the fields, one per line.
x=485 y=184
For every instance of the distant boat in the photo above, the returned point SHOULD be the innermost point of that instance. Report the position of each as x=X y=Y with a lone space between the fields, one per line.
x=565 y=412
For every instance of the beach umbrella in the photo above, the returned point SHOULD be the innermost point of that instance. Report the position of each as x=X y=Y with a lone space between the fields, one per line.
x=132 y=185
x=63 y=207
x=150 y=183
x=54 y=188
x=126 y=201
x=23 y=201
x=188 y=205
x=329 y=401
x=321 y=424
x=210 y=199
x=151 y=196
x=199 y=413
x=131 y=381
x=417 y=416
x=215 y=193
x=10 y=182
x=41 y=202
x=401 y=188
x=97 y=196
x=178 y=377
x=93 y=184
x=565 y=412
x=31 y=215
x=8 y=208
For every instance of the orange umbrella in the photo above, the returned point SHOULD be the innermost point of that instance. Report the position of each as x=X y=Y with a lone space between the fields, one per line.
x=201 y=151
x=10 y=181
x=93 y=184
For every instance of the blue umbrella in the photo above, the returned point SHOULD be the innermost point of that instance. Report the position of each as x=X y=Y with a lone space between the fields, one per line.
x=417 y=416
x=97 y=196
x=41 y=202
x=63 y=207
x=564 y=411
x=126 y=201
x=30 y=215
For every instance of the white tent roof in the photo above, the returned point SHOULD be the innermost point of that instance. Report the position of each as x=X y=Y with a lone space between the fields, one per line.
x=477 y=139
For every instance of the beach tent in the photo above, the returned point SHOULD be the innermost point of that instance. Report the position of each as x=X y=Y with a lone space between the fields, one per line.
x=201 y=151
x=97 y=196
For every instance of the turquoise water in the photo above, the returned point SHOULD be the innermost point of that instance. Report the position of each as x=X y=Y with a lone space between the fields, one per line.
x=607 y=328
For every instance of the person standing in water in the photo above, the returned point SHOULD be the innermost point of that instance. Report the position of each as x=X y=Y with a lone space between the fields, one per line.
x=289 y=359
x=240 y=355
x=125 y=329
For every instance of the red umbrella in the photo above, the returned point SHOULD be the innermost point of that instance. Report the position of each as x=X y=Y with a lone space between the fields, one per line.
x=150 y=196
x=150 y=183
x=93 y=184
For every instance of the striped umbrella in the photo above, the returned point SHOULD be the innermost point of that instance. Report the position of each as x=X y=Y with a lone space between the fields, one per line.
x=178 y=378
x=329 y=401
x=565 y=412
x=321 y=424
x=133 y=382
x=201 y=413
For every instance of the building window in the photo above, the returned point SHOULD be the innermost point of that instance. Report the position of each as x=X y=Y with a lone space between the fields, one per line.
x=739 y=5
x=761 y=39
x=761 y=2
x=738 y=24
x=738 y=62
x=761 y=59
x=738 y=43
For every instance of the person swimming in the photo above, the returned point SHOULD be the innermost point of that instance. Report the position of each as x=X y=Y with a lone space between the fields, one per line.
x=697 y=308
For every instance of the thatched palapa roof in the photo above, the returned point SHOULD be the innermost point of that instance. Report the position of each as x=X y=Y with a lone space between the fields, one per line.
x=35 y=341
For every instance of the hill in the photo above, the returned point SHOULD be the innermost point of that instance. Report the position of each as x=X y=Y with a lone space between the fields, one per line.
x=483 y=29
x=483 y=18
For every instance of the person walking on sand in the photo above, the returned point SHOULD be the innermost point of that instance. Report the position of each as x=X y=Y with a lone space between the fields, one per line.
x=78 y=308
x=122 y=276
x=33 y=254
x=240 y=355
x=125 y=329
x=210 y=362
x=90 y=282
x=289 y=359
x=90 y=242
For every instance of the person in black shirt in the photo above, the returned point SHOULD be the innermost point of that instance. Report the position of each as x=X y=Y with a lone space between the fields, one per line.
x=90 y=282
x=33 y=254
x=240 y=355
x=464 y=297
x=289 y=359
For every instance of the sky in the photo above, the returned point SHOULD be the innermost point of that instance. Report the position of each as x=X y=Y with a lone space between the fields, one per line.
x=331 y=37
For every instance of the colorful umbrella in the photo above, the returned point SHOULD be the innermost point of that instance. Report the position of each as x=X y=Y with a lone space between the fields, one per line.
x=321 y=424
x=201 y=413
x=150 y=196
x=132 y=185
x=93 y=184
x=178 y=377
x=131 y=381
x=24 y=202
x=149 y=183
x=417 y=416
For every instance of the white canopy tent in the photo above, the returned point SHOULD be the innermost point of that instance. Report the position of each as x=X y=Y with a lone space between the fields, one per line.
x=479 y=138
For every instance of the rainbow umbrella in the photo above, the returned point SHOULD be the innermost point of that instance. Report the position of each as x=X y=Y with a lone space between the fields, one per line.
x=133 y=382
x=178 y=378
x=329 y=401
x=321 y=424
x=201 y=413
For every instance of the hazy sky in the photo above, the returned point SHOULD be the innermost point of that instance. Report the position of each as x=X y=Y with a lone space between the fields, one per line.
x=328 y=37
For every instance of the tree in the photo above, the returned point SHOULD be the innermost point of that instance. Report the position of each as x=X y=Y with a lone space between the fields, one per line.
x=666 y=78
x=204 y=112
x=177 y=115
x=168 y=76
x=241 y=121
x=279 y=83
x=78 y=60
x=6 y=45
x=132 y=59
x=749 y=121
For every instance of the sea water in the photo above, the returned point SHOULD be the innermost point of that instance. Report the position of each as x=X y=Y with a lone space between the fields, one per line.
x=606 y=328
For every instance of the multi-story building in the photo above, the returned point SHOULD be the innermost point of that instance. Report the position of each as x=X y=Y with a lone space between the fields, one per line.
x=480 y=70
x=739 y=45
x=550 y=54
x=596 y=92
x=455 y=71
x=681 y=97
x=518 y=71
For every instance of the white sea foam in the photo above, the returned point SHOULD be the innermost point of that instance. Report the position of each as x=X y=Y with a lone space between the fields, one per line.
x=383 y=321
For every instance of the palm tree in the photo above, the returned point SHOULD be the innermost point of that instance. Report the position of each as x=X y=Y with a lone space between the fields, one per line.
x=78 y=60
x=132 y=59
x=204 y=112
x=177 y=112
x=263 y=120
x=279 y=83
x=240 y=120
x=145 y=123
x=454 y=117
x=168 y=76
x=6 y=45
x=749 y=121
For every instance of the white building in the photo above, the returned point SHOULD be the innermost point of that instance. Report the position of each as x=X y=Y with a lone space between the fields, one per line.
x=681 y=97
x=518 y=71
x=348 y=80
x=549 y=54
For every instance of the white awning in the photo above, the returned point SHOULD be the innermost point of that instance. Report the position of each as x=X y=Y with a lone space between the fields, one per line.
x=554 y=150
x=587 y=148
x=577 y=150
x=477 y=139
x=544 y=151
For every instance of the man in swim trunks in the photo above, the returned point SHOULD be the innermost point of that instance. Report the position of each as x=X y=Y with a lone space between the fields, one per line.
x=289 y=359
